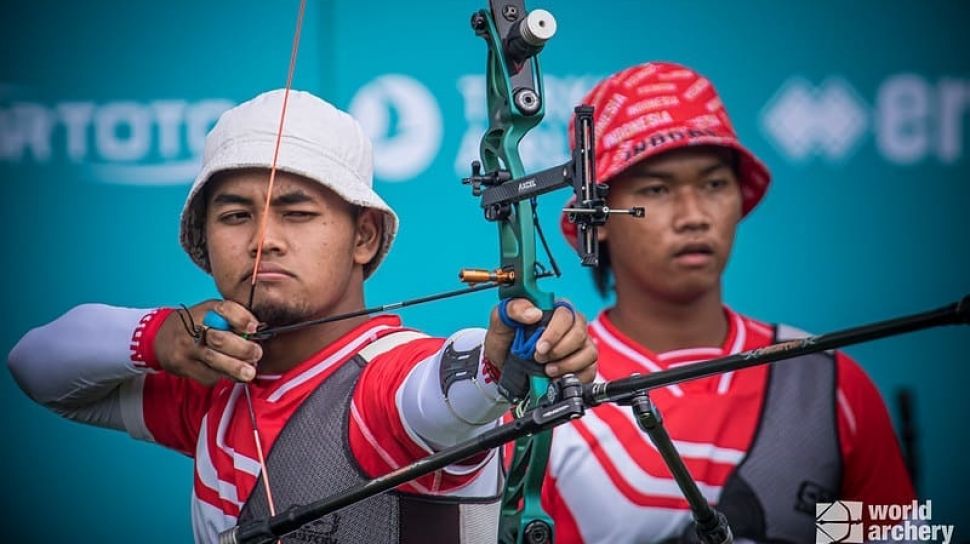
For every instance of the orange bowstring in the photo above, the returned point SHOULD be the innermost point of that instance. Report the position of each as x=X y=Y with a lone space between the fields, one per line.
x=276 y=152
x=261 y=237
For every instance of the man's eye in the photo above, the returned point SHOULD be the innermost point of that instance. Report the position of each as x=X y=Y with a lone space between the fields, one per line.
x=299 y=215
x=653 y=190
x=233 y=218
x=717 y=183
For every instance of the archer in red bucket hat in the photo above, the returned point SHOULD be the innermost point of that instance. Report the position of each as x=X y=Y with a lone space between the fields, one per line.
x=652 y=108
x=765 y=444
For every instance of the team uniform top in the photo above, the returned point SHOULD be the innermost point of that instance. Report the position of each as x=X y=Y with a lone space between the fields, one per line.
x=607 y=483
x=96 y=365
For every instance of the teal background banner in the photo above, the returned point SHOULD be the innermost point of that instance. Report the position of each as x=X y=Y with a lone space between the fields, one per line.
x=859 y=108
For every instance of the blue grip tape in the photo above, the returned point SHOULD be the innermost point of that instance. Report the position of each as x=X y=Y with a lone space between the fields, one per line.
x=214 y=320
x=523 y=347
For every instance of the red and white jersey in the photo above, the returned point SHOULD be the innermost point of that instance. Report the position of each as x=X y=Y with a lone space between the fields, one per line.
x=212 y=424
x=607 y=483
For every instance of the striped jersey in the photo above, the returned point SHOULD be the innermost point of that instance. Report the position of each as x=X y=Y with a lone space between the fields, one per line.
x=212 y=424
x=607 y=483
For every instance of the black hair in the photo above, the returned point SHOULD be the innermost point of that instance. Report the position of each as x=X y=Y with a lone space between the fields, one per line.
x=603 y=272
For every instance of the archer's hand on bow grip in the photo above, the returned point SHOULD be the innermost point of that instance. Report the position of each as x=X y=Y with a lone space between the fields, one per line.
x=209 y=352
x=524 y=341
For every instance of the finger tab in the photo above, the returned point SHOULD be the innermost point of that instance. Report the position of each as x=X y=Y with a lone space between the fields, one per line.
x=215 y=320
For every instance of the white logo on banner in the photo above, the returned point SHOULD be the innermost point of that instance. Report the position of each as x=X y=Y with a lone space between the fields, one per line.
x=911 y=119
x=402 y=149
x=140 y=143
x=805 y=120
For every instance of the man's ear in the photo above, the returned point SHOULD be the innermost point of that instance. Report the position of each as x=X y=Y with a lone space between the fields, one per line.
x=369 y=233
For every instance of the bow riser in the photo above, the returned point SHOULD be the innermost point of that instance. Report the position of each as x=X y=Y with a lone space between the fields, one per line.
x=515 y=106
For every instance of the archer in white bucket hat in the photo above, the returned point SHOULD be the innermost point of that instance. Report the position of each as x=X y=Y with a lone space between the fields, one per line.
x=373 y=394
x=319 y=142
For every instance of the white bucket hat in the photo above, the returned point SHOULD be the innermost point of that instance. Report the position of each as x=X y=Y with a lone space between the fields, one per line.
x=319 y=142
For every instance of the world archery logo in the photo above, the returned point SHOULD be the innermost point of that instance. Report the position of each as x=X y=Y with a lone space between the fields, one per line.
x=839 y=521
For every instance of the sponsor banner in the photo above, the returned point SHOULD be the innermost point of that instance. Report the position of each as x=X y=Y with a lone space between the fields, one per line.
x=910 y=120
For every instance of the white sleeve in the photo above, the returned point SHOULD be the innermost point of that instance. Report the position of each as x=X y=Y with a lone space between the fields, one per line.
x=77 y=364
x=470 y=406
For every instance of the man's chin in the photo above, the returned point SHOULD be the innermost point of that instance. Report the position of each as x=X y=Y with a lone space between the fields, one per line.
x=279 y=315
x=694 y=289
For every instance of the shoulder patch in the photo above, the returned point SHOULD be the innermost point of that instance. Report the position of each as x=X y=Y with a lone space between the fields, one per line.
x=387 y=343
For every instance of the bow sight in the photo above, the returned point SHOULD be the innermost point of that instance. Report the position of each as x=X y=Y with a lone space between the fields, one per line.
x=589 y=210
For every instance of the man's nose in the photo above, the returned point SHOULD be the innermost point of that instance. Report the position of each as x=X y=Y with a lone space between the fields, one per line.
x=271 y=234
x=690 y=213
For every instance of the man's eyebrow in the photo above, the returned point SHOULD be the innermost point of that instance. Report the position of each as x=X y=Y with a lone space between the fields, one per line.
x=293 y=197
x=662 y=174
x=232 y=198
x=714 y=167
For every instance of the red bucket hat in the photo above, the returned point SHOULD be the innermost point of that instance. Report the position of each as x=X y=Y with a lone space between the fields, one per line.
x=656 y=107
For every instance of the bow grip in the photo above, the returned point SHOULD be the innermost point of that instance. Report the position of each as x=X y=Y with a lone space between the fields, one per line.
x=520 y=361
x=514 y=381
